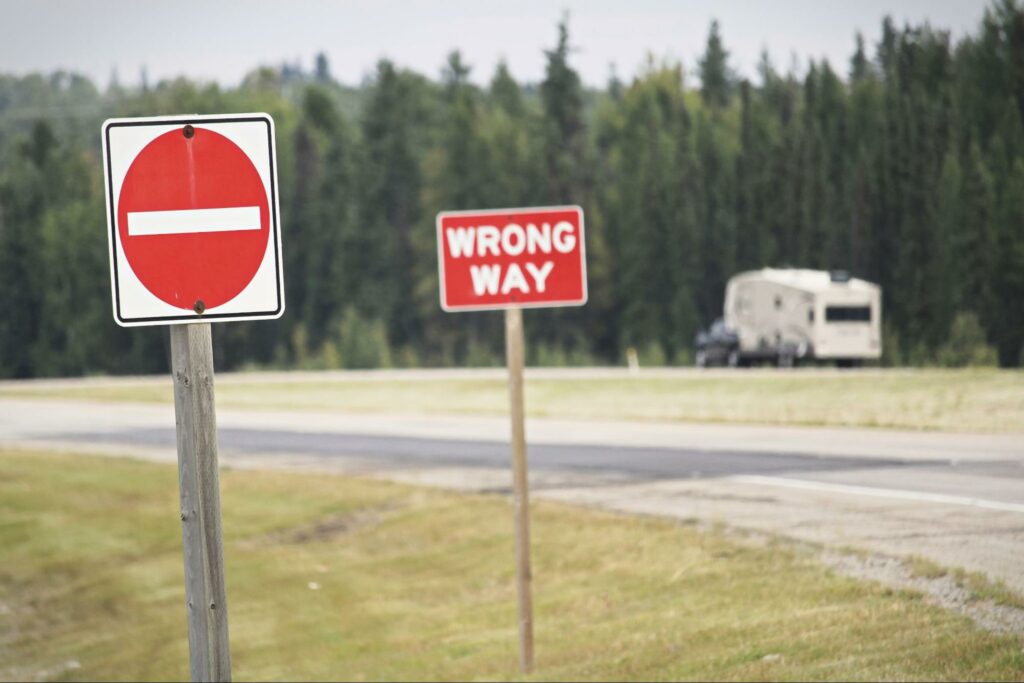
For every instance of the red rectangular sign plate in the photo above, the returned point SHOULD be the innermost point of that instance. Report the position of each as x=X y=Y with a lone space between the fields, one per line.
x=511 y=258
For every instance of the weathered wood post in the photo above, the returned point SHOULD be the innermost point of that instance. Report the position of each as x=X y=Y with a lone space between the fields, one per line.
x=514 y=354
x=196 y=423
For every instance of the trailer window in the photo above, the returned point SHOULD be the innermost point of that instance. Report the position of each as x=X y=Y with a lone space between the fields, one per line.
x=848 y=314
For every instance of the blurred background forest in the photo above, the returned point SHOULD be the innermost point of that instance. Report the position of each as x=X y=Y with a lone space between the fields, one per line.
x=904 y=166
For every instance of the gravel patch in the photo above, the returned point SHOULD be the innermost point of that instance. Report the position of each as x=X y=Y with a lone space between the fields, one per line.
x=943 y=591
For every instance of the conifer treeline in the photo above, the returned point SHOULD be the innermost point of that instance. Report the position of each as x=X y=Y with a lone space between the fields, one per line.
x=905 y=167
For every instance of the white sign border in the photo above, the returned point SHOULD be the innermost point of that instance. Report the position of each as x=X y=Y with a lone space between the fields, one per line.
x=275 y=208
x=511 y=212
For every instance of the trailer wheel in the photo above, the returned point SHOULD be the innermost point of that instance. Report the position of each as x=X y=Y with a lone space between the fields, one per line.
x=785 y=359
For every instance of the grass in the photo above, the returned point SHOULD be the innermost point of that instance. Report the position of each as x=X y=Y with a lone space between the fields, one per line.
x=978 y=585
x=417 y=584
x=925 y=568
x=955 y=400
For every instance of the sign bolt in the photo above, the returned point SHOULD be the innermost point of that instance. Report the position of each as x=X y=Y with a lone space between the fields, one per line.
x=188 y=131
x=199 y=306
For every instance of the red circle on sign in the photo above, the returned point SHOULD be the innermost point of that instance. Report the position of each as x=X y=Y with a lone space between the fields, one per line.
x=187 y=253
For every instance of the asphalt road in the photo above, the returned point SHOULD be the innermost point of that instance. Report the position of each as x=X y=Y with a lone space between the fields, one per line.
x=629 y=462
x=955 y=498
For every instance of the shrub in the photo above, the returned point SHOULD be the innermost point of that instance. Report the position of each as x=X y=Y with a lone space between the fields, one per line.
x=652 y=355
x=967 y=346
x=892 y=353
x=482 y=355
x=362 y=342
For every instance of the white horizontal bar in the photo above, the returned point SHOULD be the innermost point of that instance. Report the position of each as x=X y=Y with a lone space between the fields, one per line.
x=185 y=221
x=872 y=492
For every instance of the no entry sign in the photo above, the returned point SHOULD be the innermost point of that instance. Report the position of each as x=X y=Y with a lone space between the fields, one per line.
x=511 y=258
x=193 y=219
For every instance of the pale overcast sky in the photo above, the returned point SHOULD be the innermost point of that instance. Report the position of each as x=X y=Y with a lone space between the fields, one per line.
x=223 y=40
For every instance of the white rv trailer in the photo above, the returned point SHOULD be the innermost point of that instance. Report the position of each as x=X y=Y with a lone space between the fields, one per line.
x=785 y=315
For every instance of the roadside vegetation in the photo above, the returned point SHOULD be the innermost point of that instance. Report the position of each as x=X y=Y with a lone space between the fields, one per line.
x=903 y=165
x=977 y=584
x=978 y=400
x=332 y=577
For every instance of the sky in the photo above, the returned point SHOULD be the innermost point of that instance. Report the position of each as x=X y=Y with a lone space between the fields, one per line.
x=224 y=40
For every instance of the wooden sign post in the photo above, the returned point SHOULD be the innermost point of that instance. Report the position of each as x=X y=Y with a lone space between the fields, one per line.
x=196 y=425
x=192 y=225
x=521 y=488
x=512 y=259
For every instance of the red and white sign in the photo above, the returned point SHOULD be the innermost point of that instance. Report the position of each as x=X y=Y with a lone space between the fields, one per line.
x=511 y=258
x=192 y=214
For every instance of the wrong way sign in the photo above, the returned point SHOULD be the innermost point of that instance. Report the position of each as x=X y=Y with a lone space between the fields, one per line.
x=511 y=258
x=192 y=212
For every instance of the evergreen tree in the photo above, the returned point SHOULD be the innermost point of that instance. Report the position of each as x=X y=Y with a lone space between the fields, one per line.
x=1008 y=279
x=329 y=267
x=322 y=70
x=716 y=77
x=656 y=242
x=563 y=133
x=753 y=236
x=505 y=92
x=860 y=67
x=943 y=275
x=463 y=172
x=977 y=243
x=715 y=215
x=564 y=151
x=24 y=196
x=389 y=186
x=513 y=166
